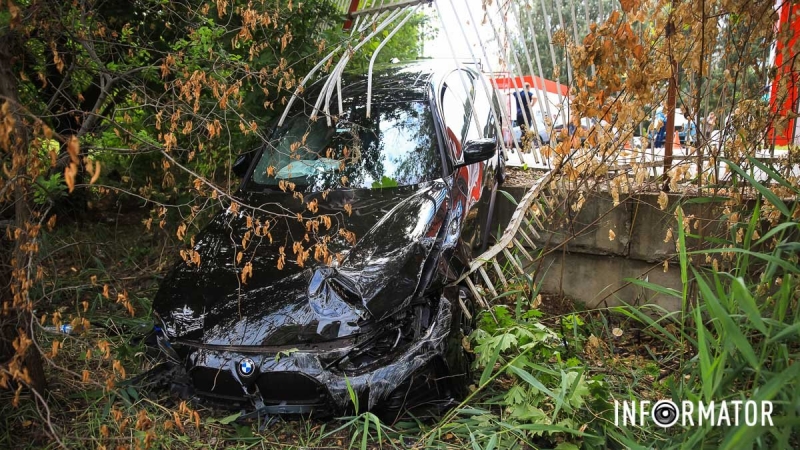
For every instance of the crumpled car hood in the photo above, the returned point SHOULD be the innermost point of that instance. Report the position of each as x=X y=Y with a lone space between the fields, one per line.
x=392 y=261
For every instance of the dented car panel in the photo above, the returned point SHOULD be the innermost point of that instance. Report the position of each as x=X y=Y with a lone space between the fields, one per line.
x=310 y=377
x=374 y=307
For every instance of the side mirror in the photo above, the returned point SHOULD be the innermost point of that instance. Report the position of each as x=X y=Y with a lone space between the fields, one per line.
x=242 y=163
x=479 y=150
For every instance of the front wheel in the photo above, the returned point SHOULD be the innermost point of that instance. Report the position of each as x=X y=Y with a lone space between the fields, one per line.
x=444 y=381
x=459 y=357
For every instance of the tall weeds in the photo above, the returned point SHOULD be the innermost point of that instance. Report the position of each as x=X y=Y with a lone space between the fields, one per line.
x=742 y=326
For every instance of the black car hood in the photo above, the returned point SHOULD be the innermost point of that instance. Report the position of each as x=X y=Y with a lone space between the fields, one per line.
x=396 y=230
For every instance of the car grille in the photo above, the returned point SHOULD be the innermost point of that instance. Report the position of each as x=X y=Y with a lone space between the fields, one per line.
x=276 y=388
x=291 y=388
x=216 y=383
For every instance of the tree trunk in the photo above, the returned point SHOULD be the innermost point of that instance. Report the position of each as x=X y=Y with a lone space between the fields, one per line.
x=19 y=316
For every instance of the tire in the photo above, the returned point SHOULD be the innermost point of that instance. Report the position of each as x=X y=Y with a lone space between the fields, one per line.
x=459 y=359
x=420 y=396
x=440 y=384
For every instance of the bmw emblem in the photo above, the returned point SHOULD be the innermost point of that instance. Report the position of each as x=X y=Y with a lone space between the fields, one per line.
x=246 y=367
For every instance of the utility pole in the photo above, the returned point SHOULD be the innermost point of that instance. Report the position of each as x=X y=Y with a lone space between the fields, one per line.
x=671 y=94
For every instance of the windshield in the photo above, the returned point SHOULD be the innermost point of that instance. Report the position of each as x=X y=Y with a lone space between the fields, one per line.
x=395 y=147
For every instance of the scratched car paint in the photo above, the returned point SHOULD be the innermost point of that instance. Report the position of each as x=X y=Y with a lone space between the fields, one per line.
x=382 y=316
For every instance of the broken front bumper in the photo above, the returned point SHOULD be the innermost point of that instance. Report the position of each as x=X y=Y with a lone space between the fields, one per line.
x=308 y=379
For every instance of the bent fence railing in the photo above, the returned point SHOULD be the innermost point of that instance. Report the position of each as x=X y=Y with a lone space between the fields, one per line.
x=524 y=225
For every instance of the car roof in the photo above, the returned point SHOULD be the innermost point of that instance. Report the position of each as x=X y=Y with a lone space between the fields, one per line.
x=410 y=81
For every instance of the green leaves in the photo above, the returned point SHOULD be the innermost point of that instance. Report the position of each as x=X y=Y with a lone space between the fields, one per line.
x=353 y=395
x=574 y=387
x=730 y=334
x=536 y=384
x=495 y=354
x=227 y=420
x=385 y=182
x=762 y=189
x=547 y=394
x=50 y=188
x=405 y=45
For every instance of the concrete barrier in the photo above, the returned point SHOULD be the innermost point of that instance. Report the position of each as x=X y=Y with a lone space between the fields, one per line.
x=592 y=268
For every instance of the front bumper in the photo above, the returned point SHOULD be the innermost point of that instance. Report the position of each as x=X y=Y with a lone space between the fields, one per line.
x=307 y=380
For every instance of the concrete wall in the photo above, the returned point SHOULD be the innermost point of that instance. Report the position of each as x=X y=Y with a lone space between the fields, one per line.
x=592 y=269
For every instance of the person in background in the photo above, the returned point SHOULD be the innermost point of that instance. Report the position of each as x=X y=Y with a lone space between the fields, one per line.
x=525 y=101
x=690 y=136
x=660 y=126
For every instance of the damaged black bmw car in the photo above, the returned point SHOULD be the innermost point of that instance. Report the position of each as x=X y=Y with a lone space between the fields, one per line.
x=352 y=231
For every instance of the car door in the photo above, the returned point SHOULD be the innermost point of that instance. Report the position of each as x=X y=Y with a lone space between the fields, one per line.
x=467 y=115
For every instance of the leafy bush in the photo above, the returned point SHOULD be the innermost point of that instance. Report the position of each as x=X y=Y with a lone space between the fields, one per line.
x=51 y=188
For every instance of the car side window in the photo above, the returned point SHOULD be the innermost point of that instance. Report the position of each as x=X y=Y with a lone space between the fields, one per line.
x=457 y=98
x=485 y=103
